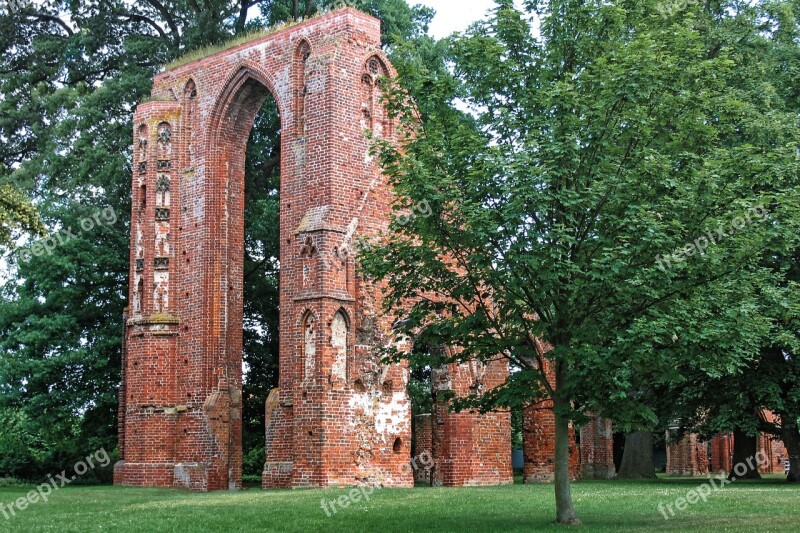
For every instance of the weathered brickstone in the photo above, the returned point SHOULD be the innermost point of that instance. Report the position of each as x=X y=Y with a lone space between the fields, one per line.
x=721 y=452
x=423 y=442
x=597 y=449
x=539 y=442
x=687 y=457
x=773 y=449
x=690 y=456
x=339 y=416
x=470 y=448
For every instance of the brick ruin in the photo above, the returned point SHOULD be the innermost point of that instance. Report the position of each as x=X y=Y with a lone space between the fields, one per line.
x=339 y=416
x=691 y=456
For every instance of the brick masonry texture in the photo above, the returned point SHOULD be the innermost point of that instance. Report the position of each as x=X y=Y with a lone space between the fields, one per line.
x=693 y=457
x=688 y=456
x=469 y=449
x=597 y=449
x=339 y=416
x=423 y=441
x=538 y=440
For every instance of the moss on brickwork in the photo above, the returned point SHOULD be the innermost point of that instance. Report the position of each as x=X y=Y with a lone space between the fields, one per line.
x=206 y=51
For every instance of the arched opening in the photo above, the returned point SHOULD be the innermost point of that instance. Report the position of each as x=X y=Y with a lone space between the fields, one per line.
x=374 y=118
x=248 y=167
x=260 y=320
x=204 y=123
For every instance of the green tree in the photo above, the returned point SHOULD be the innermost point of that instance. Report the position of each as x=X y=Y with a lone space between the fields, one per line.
x=600 y=195
x=769 y=381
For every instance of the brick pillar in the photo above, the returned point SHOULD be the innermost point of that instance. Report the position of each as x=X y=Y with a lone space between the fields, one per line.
x=721 y=450
x=470 y=448
x=772 y=449
x=539 y=441
x=597 y=449
x=687 y=457
x=150 y=408
x=122 y=395
x=423 y=441
x=773 y=453
x=341 y=417
x=539 y=445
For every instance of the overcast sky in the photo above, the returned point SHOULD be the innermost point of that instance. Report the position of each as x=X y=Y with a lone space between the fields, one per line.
x=455 y=15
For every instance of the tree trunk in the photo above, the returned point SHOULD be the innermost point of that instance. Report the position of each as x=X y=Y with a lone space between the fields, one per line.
x=744 y=453
x=565 y=511
x=295 y=9
x=791 y=439
x=637 y=458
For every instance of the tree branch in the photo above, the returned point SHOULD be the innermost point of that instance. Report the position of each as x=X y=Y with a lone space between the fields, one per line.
x=51 y=18
x=167 y=18
x=146 y=20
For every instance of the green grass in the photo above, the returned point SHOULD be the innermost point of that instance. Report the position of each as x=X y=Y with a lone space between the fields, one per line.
x=602 y=505
x=206 y=51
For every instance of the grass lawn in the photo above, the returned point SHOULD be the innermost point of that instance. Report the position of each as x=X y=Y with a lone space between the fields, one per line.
x=768 y=505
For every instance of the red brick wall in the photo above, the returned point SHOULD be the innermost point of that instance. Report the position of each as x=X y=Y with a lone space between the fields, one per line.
x=597 y=449
x=538 y=440
x=539 y=445
x=339 y=416
x=687 y=457
x=181 y=404
x=721 y=452
x=773 y=449
x=470 y=448
x=423 y=442
x=776 y=453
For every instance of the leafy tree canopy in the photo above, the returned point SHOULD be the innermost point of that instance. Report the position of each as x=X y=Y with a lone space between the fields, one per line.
x=610 y=191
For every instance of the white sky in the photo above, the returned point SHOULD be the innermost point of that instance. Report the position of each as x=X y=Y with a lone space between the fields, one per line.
x=455 y=15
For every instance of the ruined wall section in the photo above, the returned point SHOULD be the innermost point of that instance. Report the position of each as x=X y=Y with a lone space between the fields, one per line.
x=469 y=448
x=340 y=415
x=182 y=394
x=539 y=442
x=688 y=456
x=597 y=449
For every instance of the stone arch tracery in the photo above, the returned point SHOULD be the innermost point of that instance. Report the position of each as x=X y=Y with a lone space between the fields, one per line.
x=373 y=116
